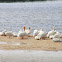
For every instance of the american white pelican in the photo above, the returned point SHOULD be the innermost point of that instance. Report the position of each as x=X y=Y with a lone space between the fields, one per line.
x=9 y=33
x=57 y=35
x=52 y=32
x=42 y=34
x=35 y=33
x=3 y=33
x=21 y=33
x=28 y=31
x=57 y=40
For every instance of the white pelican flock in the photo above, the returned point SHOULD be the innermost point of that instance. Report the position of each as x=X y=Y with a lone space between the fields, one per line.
x=37 y=34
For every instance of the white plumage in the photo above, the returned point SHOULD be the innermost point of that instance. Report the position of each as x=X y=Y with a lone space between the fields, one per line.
x=14 y=34
x=57 y=35
x=9 y=33
x=28 y=31
x=41 y=34
x=57 y=40
x=51 y=37
x=3 y=33
x=37 y=37
x=35 y=33
x=52 y=32
x=21 y=33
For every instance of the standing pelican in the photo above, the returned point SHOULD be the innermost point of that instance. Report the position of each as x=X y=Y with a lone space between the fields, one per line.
x=28 y=31
x=21 y=34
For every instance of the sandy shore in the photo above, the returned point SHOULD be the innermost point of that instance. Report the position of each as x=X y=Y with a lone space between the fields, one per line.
x=29 y=43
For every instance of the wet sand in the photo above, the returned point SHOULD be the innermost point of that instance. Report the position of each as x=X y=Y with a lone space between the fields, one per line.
x=29 y=43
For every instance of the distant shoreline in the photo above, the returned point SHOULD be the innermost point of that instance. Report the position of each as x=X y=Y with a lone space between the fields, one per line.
x=27 y=1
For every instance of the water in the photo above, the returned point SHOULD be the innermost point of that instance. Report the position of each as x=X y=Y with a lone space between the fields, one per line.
x=37 y=15
x=30 y=56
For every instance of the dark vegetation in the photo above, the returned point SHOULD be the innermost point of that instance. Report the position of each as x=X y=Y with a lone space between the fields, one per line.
x=19 y=0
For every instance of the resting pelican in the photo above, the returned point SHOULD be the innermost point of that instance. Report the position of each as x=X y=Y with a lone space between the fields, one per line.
x=57 y=35
x=36 y=32
x=42 y=34
x=9 y=33
x=57 y=40
x=52 y=32
x=3 y=33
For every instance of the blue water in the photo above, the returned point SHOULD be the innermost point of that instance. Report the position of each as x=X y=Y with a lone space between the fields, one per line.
x=37 y=15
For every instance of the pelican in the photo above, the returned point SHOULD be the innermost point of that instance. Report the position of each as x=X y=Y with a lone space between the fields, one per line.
x=52 y=32
x=36 y=32
x=57 y=40
x=28 y=31
x=42 y=34
x=57 y=35
x=9 y=33
x=3 y=33
x=21 y=33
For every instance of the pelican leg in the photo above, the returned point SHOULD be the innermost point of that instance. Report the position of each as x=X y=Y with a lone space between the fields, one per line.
x=22 y=38
x=4 y=35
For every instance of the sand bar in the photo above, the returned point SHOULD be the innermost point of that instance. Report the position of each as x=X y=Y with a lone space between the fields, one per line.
x=29 y=43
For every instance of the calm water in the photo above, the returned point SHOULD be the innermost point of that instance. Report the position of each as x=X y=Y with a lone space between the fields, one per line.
x=37 y=15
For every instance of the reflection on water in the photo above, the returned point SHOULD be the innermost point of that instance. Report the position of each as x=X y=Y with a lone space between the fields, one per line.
x=13 y=16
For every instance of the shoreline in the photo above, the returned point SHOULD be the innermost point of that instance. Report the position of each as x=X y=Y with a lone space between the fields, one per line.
x=29 y=43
